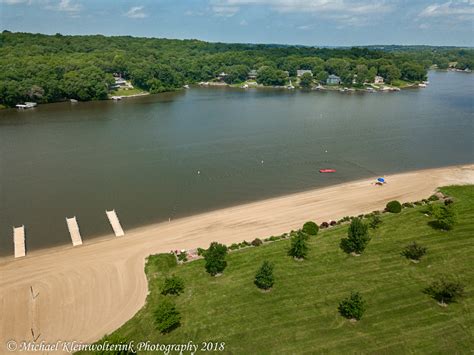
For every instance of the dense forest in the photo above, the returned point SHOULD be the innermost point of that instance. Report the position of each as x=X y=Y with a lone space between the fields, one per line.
x=49 y=68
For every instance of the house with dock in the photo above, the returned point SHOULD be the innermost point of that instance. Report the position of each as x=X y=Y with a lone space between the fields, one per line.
x=333 y=80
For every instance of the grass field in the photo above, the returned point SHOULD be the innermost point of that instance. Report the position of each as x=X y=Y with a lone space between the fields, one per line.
x=300 y=314
x=123 y=92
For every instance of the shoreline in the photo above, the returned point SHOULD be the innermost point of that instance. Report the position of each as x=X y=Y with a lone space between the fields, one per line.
x=103 y=282
x=101 y=238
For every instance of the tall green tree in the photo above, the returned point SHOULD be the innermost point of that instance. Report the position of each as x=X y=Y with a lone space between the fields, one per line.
x=299 y=246
x=357 y=237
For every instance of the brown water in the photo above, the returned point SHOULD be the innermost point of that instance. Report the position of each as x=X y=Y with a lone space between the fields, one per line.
x=141 y=156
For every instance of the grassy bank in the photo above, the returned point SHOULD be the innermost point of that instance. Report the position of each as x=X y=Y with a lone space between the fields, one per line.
x=126 y=92
x=300 y=314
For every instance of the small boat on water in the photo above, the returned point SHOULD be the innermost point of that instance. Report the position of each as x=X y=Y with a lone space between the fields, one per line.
x=327 y=170
x=26 y=105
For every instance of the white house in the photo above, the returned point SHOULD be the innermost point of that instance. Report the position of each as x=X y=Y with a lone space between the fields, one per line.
x=378 y=80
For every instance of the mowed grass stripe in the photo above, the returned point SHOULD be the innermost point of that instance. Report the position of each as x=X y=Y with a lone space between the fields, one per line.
x=300 y=314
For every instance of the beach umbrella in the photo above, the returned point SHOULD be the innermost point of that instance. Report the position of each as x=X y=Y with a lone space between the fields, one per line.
x=381 y=180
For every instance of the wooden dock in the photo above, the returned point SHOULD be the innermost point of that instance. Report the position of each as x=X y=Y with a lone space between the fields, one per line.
x=19 y=241
x=115 y=223
x=74 y=231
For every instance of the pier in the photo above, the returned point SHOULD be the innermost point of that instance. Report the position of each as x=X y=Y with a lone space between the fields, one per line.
x=19 y=241
x=115 y=223
x=74 y=231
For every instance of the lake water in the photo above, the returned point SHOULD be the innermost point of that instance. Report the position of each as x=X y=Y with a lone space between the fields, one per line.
x=142 y=156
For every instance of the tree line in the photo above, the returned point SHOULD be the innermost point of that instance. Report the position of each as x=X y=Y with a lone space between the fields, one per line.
x=50 y=68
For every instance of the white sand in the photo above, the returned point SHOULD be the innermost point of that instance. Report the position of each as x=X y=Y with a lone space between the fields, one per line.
x=88 y=291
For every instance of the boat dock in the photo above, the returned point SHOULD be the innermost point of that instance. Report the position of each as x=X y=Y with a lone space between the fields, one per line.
x=19 y=241
x=115 y=223
x=74 y=231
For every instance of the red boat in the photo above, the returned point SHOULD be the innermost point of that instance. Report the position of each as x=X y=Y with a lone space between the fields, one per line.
x=327 y=170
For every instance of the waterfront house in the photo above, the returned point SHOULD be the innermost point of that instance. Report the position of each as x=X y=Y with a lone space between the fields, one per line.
x=378 y=80
x=222 y=76
x=299 y=73
x=120 y=83
x=333 y=80
x=252 y=74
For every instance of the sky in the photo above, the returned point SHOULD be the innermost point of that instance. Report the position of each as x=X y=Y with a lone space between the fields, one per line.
x=303 y=22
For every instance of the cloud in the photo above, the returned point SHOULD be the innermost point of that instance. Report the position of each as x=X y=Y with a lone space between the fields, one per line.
x=70 y=7
x=355 y=12
x=14 y=2
x=304 y=27
x=225 y=10
x=244 y=22
x=136 y=12
x=461 y=10
x=314 y=6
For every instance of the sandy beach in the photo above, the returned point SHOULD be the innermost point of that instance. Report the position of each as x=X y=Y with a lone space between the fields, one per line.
x=82 y=293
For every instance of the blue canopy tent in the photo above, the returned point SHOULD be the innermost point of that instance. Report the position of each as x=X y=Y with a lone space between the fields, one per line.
x=381 y=180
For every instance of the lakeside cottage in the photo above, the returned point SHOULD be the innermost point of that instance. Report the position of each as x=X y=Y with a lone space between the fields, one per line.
x=299 y=73
x=333 y=80
x=252 y=74
x=120 y=83
x=378 y=80
x=222 y=76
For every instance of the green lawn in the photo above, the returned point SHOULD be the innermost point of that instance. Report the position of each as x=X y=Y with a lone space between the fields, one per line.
x=300 y=314
x=123 y=92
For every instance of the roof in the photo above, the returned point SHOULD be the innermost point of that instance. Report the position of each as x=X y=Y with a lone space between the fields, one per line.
x=332 y=76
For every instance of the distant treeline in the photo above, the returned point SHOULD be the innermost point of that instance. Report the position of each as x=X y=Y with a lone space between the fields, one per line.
x=43 y=68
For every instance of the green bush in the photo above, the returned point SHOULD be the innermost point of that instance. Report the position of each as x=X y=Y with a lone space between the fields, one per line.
x=215 y=258
x=310 y=228
x=234 y=246
x=414 y=251
x=394 y=207
x=244 y=244
x=444 y=217
x=183 y=256
x=445 y=291
x=264 y=278
x=352 y=307
x=257 y=242
x=172 y=286
x=200 y=251
x=299 y=246
x=166 y=316
x=433 y=198
x=408 y=205
x=375 y=221
x=357 y=237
